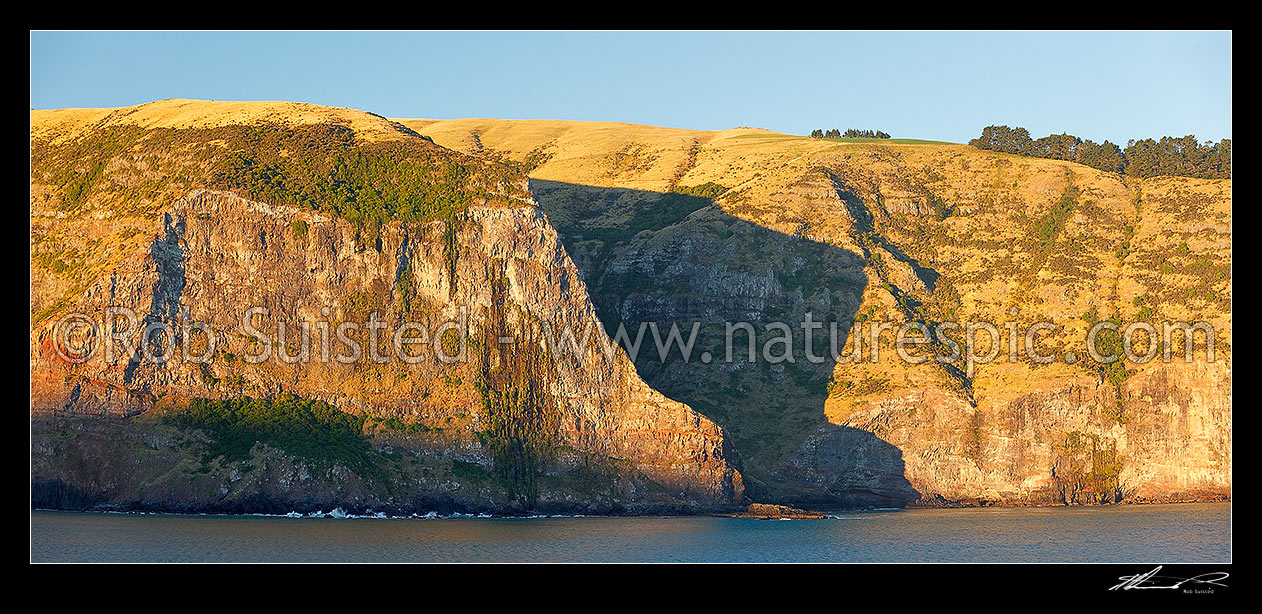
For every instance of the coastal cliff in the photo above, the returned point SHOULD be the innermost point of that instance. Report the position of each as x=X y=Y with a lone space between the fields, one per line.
x=747 y=225
x=216 y=255
x=496 y=239
x=106 y=430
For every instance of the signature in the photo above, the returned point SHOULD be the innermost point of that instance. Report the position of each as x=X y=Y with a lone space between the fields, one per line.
x=1152 y=580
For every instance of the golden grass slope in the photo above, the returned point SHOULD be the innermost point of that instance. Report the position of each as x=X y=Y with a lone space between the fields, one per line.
x=1176 y=230
x=604 y=154
x=1152 y=249
x=62 y=124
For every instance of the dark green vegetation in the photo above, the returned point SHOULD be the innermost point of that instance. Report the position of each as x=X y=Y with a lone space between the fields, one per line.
x=1087 y=470
x=1185 y=157
x=451 y=251
x=521 y=412
x=62 y=261
x=1108 y=343
x=322 y=167
x=852 y=133
x=708 y=190
x=313 y=430
x=1052 y=223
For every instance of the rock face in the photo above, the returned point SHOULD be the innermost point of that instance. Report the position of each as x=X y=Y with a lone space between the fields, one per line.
x=1064 y=444
x=764 y=511
x=214 y=256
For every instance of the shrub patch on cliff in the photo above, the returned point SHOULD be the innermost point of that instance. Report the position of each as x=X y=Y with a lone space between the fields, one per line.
x=306 y=428
x=521 y=412
x=322 y=167
x=1052 y=224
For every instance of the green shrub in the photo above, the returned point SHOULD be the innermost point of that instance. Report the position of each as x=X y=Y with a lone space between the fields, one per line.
x=321 y=167
x=310 y=429
x=469 y=472
x=708 y=190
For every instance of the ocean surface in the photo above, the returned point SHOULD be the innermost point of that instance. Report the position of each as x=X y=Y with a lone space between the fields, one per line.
x=1183 y=533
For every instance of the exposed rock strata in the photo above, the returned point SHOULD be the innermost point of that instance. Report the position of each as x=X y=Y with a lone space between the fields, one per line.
x=215 y=255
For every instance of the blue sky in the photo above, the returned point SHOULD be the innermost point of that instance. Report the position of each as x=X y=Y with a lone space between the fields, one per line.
x=932 y=85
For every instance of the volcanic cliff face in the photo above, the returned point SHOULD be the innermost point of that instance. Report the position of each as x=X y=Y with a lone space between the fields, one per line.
x=745 y=225
x=102 y=436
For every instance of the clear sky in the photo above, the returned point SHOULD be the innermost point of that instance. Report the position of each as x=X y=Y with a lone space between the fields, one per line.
x=931 y=85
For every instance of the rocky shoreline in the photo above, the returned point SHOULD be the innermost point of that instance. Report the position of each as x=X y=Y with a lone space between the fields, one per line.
x=1191 y=497
x=54 y=495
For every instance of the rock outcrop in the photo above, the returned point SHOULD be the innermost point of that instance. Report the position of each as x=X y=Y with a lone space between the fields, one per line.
x=214 y=256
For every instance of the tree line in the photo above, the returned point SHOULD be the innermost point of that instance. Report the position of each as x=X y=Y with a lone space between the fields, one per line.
x=848 y=134
x=1168 y=155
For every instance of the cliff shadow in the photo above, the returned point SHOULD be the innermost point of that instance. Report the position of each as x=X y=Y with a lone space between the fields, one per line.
x=657 y=262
